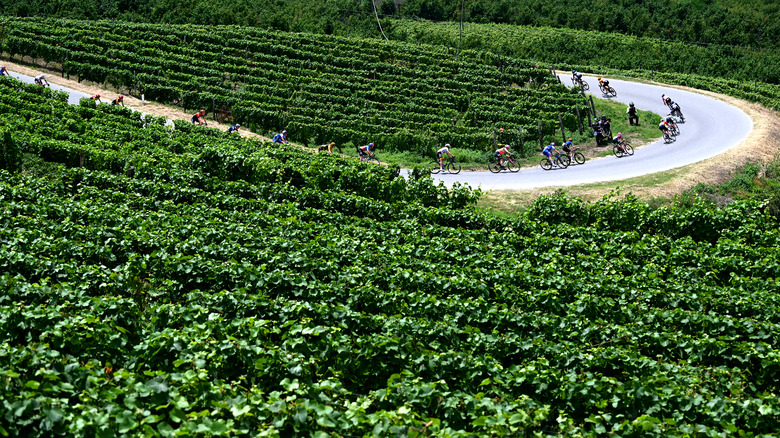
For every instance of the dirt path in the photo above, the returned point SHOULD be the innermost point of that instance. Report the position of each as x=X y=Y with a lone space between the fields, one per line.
x=149 y=107
x=763 y=145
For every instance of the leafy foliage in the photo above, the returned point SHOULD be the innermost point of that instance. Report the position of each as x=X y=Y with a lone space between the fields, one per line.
x=185 y=282
x=399 y=96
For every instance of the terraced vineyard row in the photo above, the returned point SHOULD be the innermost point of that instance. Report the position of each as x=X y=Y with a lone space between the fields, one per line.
x=400 y=96
x=186 y=282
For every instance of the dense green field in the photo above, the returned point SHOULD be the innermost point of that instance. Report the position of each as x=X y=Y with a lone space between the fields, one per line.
x=176 y=280
x=753 y=23
x=403 y=97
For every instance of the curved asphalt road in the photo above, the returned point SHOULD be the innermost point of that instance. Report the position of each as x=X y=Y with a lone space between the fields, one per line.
x=711 y=127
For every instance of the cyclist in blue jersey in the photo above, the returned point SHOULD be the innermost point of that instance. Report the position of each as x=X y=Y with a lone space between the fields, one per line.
x=234 y=128
x=281 y=138
x=549 y=150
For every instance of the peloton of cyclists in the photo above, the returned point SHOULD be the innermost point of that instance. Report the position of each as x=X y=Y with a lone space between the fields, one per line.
x=440 y=155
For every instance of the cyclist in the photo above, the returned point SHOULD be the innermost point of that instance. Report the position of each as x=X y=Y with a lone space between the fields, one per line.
x=499 y=154
x=4 y=71
x=281 y=138
x=675 y=107
x=577 y=76
x=234 y=128
x=96 y=98
x=327 y=147
x=604 y=83
x=366 y=151
x=440 y=155
x=664 y=128
x=619 y=140
x=41 y=80
x=119 y=100
x=549 y=150
x=199 y=118
x=666 y=100
x=633 y=115
x=569 y=147
x=670 y=123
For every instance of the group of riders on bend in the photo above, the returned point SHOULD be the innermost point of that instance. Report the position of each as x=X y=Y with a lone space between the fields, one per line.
x=667 y=126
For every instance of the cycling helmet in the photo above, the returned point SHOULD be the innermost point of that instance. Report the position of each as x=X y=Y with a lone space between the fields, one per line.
x=573 y=71
x=552 y=144
x=284 y=132
x=369 y=145
x=506 y=146
x=237 y=125
x=599 y=78
x=620 y=135
x=603 y=117
x=203 y=111
x=447 y=145
x=333 y=143
x=571 y=139
x=630 y=103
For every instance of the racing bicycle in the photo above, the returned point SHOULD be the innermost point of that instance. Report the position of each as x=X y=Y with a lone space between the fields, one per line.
x=450 y=166
x=560 y=160
x=509 y=164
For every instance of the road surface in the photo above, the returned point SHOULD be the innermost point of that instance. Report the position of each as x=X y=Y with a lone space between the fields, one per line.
x=711 y=127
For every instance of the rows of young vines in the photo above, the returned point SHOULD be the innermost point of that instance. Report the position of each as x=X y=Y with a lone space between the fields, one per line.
x=178 y=281
x=400 y=96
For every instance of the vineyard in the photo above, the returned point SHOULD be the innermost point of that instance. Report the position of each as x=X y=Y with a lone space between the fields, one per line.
x=402 y=97
x=173 y=280
x=750 y=74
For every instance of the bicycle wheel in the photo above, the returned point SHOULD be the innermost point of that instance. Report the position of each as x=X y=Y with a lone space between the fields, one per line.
x=453 y=167
x=511 y=166
x=493 y=166
x=579 y=158
x=433 y=167
x=546 y=164
x=374 y=160
x=612 y=92
x=617 y=151
x=629 y=150
x=585 y=86
x=564 y=161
